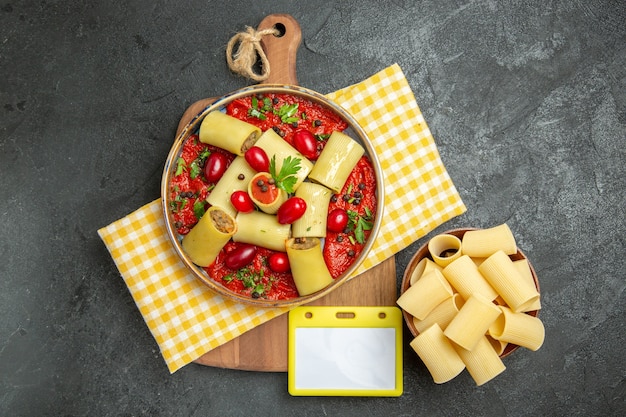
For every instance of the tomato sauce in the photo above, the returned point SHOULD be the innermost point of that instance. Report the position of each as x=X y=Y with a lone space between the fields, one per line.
x=266 y=193
x=285 y=114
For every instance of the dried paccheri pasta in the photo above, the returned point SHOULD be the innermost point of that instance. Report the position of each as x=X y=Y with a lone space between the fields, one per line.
x=491 y=309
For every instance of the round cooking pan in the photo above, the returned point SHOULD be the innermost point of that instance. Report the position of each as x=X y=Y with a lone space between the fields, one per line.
x=281 y=53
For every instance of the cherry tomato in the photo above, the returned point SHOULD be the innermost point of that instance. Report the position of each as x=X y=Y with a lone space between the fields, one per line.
x=215 y=166
x=337 y=220
x=242 y=201
x=291 y=210
x=279 y=262
x=304 y=141
x=240 y=257
x=257 y=159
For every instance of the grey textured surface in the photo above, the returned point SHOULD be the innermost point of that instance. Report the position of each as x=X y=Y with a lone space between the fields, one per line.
x=527 y=103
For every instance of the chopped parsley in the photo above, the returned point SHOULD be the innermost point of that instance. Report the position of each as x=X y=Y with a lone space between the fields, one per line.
x=249 y=278
x=194 y=169
x=287 y=113
x=259 y=108
x=286 y=178
x=359 y=224
x=181 y=166
x=198 y=208
x=178 y=204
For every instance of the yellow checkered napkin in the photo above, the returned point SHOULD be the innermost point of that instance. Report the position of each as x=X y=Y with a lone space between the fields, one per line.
x=187 y=319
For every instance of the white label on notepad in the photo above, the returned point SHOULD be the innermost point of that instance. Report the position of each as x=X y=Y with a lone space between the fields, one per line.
x=345 y=358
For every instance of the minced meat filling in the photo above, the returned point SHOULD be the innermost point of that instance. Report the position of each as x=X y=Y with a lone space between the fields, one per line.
x=222 y=221
x=302 y=243
x=249 y=142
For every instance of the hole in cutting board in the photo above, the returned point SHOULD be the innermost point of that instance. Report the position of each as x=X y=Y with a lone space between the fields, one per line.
x=281 y=30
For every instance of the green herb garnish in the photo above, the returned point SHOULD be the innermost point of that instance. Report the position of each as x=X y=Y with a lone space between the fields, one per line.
x=180 y=166
x=194 y=169
x=249 y=279
x=204 y=154
x=285 y=179
x=286 y=112
x=178 y=204
x=198 y=208
x=267 y=104
x=359 y=224
x=256 y=113
x=259 y=112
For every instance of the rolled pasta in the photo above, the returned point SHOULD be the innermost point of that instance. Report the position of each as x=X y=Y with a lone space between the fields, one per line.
x=463 y=275
x=423 y=296
x=518 y=328
x=500 y=272
x=267 y=196
x=422 y=268
x=261 y=229
x=337 y=160
x=227 y=132
x=308 y=268
x=472 y=321
x=235 y=178
x=483 y=363
x=441 y=315
x=276 y=147
x=523 y=268
x=444 y=249
x=438 y=354
x=205 y=240
x=485 y=242
x=313 y=222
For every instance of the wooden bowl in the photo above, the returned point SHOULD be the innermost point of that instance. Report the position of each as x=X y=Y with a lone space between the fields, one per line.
x=423 y=252
x=354 y=130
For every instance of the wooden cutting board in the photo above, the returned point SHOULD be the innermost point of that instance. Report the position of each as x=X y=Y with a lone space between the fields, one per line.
x=264 y=348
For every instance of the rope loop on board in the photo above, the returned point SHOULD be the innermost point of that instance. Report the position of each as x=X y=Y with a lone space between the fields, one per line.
x=248 y=52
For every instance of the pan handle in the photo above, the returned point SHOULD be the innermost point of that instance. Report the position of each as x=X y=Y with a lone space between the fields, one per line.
x=281 y=50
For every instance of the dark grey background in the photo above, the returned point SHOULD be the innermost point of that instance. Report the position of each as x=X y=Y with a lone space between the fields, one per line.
x=526 y=101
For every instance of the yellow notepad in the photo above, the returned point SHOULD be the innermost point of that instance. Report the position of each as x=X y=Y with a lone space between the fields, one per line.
x=345 y=351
